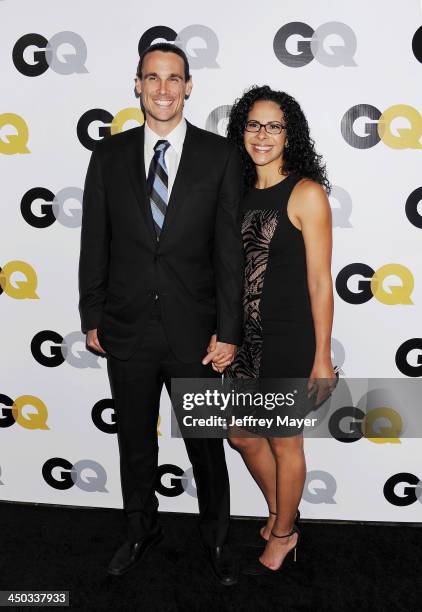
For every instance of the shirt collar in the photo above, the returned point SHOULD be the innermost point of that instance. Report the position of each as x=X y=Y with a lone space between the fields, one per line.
x=176 y=137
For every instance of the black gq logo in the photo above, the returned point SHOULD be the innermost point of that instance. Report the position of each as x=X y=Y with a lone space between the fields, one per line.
x=402 y=357
x=409 y=494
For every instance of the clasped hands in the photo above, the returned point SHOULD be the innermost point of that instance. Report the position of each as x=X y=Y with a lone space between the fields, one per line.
x=219 y=354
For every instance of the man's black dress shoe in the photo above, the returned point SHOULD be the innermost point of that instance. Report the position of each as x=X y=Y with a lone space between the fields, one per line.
x=224 y=565
x=130 y=553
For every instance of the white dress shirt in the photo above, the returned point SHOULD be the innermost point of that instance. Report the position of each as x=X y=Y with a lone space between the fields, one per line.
x=172 y=156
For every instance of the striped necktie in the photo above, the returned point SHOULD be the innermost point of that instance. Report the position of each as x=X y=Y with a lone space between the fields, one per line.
x=158 y=185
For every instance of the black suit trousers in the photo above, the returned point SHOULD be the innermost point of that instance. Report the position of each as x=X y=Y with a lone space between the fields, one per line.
x=136 y=385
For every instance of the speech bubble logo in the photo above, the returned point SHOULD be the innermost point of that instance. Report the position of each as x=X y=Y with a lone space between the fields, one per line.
x=396 y=294
x=12 y=144
x=34 y=420
x=21 y=290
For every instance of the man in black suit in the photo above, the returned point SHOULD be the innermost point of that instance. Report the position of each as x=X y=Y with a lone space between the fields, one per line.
x=161 y=270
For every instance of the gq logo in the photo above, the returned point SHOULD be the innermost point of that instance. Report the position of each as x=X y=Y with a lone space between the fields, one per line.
x=32 y=63
x=359 y=133
x=297 y=44
x=338 y=354
x=88 y=134
x=403 y=495
x=12 y=412
x=414 y=207
x=50 y=349
x=373 y=283
x=104 y=417
x=179 y=482
x=60 y=474
x=218 y=119
x=341 y=206
x=19 y=289
x=199 y=42
x=17 y=141
x=320 y=488
x=380 y=425
x=52 y=207
x=410 y=347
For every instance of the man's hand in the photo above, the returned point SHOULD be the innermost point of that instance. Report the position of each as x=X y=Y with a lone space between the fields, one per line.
x=221 y=354
x=92 y=341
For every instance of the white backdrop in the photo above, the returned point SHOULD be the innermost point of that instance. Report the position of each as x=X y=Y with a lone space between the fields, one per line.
x=364 y=58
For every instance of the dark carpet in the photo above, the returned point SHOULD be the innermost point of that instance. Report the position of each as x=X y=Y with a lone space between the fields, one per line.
x=340 y=566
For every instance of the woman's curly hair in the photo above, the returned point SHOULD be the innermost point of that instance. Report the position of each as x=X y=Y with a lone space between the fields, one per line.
x=299 y=157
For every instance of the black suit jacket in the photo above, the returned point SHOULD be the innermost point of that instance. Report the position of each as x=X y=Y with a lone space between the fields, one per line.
x=197 y=265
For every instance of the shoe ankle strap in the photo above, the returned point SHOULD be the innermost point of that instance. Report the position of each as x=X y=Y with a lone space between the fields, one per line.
x=287 y=535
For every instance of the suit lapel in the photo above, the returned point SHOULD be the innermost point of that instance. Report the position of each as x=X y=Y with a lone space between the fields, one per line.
x=181 y=183
x=136 y=167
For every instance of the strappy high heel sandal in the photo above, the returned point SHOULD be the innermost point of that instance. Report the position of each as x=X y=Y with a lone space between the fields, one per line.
x=257 y=568
x=262 y=539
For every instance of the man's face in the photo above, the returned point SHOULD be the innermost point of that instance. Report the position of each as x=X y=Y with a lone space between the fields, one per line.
x=163 y=87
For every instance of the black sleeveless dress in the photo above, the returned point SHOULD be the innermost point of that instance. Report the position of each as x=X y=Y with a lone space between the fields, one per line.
x=279 y=338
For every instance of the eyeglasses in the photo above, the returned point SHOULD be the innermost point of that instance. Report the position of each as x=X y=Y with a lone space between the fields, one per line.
x=272 y=127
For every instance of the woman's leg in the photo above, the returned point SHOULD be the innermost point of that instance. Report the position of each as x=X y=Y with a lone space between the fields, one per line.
x=259 y=459
x=290 y=478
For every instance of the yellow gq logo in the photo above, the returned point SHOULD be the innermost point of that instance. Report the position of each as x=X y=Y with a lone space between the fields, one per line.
x=396 y=294
x=11 y=144
x=406 y=138
x=385 y=422
x=19 y=289
x=32 y=420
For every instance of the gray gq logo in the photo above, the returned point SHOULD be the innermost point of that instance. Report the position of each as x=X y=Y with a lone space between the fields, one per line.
x=202 y=55
x=297 y=44
x=316 y=494
x=338 y=354
x=217 y=119
x=342 y=208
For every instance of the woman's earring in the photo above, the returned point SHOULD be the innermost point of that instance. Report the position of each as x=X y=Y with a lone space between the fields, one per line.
x=286 y=144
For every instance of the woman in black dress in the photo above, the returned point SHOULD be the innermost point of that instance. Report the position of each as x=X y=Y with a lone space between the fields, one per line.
x=288 y=301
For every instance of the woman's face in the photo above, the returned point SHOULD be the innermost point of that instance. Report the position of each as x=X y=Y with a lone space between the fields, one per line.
x=265 y=148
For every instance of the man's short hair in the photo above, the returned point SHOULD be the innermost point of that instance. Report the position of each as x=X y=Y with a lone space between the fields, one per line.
x=165 y=48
